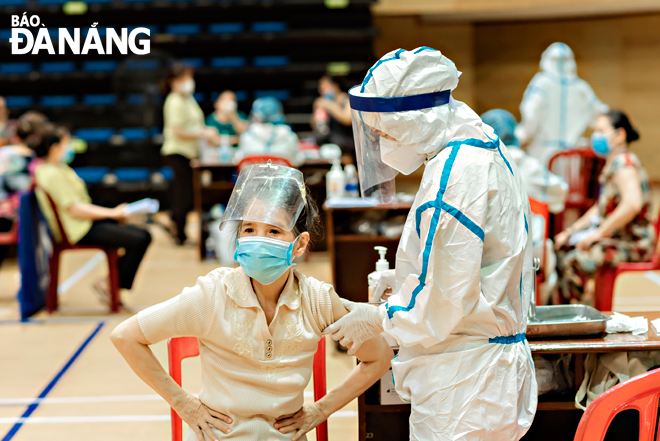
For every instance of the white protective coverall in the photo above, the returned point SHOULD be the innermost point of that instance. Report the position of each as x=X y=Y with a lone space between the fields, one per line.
x=270 y=139
x=463 y=266
x=557 y=106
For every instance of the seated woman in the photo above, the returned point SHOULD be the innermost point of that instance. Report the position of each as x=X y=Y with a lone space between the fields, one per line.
x=618 y=227
x=268 y=135
x=257 y=325
x=15 y=176
x=226 y=118
x=84 y=223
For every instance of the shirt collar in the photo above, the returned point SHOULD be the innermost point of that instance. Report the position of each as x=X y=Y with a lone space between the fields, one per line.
x=239 y=289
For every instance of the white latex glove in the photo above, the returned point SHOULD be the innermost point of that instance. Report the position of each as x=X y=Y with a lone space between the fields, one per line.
x=387 y=281
x=362 y=323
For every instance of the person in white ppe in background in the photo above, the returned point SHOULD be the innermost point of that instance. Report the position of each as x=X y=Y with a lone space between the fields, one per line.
x=463 y=275
x=557 y=106
x=541 y=185
x=268 y=134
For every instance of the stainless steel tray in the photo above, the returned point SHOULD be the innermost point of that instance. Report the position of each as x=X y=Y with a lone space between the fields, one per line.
x=566 y=321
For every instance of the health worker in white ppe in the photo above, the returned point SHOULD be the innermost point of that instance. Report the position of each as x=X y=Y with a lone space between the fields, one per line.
x=557 y=106
x=463 y=275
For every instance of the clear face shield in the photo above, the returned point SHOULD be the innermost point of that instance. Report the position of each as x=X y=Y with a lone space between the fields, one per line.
x=376 y=148
x=267 y=193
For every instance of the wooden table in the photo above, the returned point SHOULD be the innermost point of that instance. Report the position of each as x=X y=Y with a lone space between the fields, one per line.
x=553 y=412
x=221 y=184
x=352 y=255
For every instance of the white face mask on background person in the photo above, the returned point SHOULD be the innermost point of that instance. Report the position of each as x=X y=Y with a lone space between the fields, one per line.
x=228 y=106
x=187 y=87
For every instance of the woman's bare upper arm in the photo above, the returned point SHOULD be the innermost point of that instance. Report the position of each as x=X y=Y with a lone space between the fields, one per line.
x=630 y=186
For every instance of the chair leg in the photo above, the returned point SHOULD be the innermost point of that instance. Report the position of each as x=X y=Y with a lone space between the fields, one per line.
x=54 y=270
x=604 y=287
x=113 y=279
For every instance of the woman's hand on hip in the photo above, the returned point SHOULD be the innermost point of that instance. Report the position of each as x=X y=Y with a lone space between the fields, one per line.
x=201 y=418
x=307 y=418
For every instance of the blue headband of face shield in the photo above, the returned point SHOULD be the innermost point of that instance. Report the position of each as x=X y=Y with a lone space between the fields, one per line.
x=398 y=103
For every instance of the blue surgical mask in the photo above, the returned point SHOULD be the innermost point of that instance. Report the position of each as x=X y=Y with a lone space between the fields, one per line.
x=600 y=144
x=329 y=95
x=264 y=259
x=67 y=158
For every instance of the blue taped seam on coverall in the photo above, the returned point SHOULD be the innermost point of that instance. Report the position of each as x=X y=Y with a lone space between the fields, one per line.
x=397 y=56
x=509 y=339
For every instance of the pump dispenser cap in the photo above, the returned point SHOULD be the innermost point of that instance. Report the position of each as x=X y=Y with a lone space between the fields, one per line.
x=382 y=264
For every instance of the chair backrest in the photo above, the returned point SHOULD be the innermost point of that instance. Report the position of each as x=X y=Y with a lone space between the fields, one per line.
x=580 y=169
x=185 y=347
x=640 y=393
x=262 y=159
x=64 y=240
x=11 y=236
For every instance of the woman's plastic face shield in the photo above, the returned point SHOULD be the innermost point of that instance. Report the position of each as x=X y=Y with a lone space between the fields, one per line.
x=267 y=193
x=377 y=177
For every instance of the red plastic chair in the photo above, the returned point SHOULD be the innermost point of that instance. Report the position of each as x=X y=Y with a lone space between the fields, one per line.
x=11 y=236
x=581 y=171
x=541 y=209
x=640 y=393
x=607 y=274
x=186 y=347
x=65 y=245
x=250 y=160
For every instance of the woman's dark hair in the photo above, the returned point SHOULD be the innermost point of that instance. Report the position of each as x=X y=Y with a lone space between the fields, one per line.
x=43 y=139
x=29 y=123
x=309 y=220
x=177 y=70
x=619 y=120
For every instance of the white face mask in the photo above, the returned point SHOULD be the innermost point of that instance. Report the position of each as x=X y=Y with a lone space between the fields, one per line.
x=187 y=87
x=403 y=160
x=228 y=106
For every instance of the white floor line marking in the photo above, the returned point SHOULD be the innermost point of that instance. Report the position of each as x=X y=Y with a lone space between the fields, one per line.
x=122 y=418
x=82 y=272
x=6 y=402
x=653 y=277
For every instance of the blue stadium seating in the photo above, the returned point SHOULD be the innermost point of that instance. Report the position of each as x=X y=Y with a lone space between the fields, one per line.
x=137 y=64
x=167 y=173
x=199 y=96
x=19 y=101
x=134 y=133
x=269 y=26
x=92 y=175
x=138 y=1
x=281 y=95
x=226 y=28
x=13 y=3
x=58 y=100
x=132 y=174
x=100 y=66
x=51 y=2
x=271 y=61
x=183 y=29
x=15 y=68
x=5 y=34
x=154 y=131
x=221 y=62
x=195 y=63
x=135 y=98
x=100 y=99
x=241 y=95
x=95 y=135
x=58 y=67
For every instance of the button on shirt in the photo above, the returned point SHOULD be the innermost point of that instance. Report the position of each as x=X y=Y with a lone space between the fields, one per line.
x=251 y=371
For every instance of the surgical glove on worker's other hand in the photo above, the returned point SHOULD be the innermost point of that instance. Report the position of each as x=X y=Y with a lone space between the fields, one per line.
x=362 y=323
x=387 y=281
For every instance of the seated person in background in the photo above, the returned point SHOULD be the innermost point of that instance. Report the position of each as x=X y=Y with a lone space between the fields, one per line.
x=540 y=184
x=618 y=227
x=331 y=119
x=226 y=119
x=14 y=171
x=84 y=223
x=268 y=134
x=258 y=325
